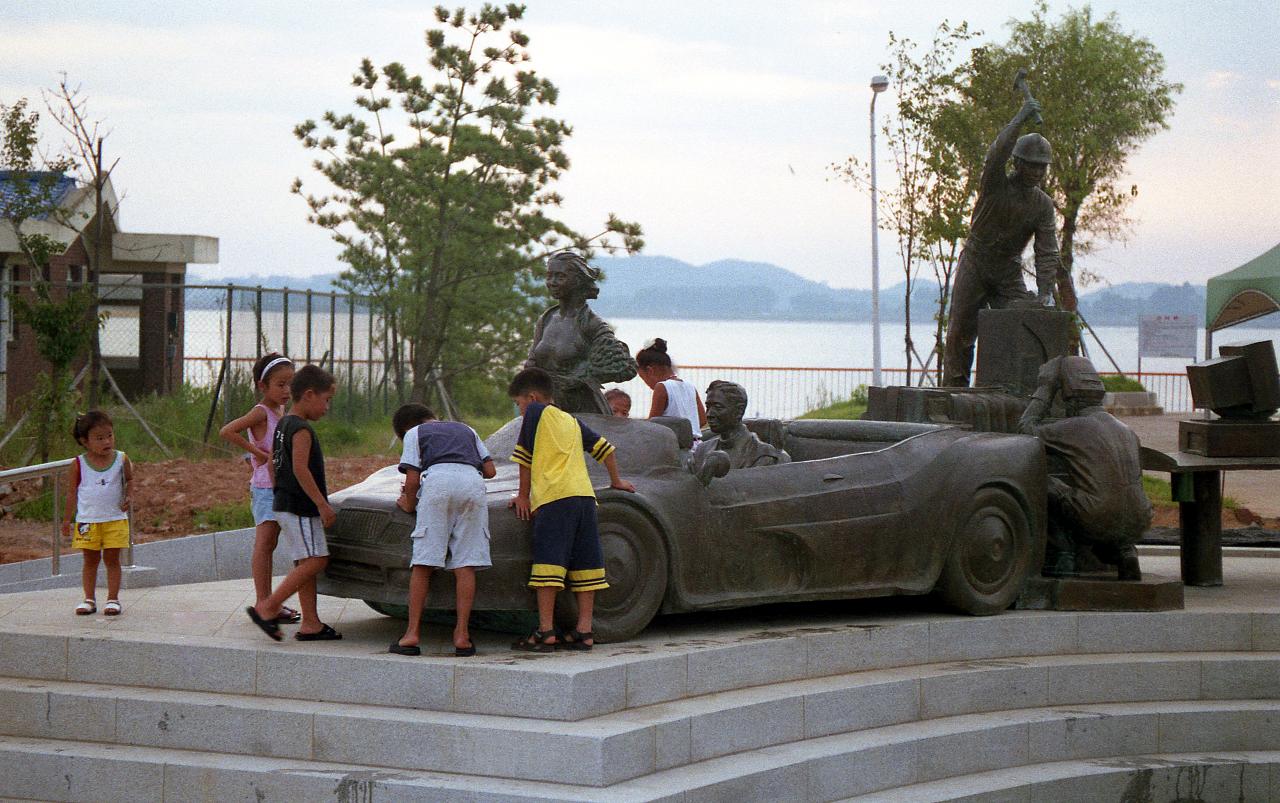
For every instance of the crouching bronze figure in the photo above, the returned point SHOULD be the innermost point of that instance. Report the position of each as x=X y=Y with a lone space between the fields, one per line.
x=1096 y=500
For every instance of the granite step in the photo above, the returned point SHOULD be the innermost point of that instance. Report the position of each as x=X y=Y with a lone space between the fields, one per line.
x=957 y=753
x=63 y=770
x=613 y=678
x=614 y=747
x=1218 y=775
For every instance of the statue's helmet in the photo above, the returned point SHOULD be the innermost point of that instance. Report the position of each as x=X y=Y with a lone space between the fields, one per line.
x=1080 y=382
x=1033 y=148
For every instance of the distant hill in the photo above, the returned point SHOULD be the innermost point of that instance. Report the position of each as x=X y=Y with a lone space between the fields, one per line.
x=646 y=286
x=320 y=282
x=662 y=287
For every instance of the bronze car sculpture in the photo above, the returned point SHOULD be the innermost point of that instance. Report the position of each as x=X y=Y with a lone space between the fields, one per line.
x=865 y=509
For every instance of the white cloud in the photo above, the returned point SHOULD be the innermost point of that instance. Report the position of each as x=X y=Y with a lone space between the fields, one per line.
x=1220 y=79
x=666 y=68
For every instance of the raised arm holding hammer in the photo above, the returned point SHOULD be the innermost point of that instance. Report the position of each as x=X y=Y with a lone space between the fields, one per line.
x=1011 y=210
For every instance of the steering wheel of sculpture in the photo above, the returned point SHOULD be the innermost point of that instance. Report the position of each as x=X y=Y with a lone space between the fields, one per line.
x=990 y=555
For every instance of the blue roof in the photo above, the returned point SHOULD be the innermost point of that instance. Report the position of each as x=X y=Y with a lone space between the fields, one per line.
x=62 y=186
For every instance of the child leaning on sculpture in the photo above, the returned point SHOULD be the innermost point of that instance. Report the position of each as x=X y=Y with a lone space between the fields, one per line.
x=555 y=491
x=445 y=465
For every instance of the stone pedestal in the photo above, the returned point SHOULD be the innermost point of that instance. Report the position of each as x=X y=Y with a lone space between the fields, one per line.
x=1014 y=343
x=1132 y=402
x=1101 y=593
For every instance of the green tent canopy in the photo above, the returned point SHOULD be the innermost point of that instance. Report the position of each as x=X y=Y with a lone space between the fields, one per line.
x=1250 y=291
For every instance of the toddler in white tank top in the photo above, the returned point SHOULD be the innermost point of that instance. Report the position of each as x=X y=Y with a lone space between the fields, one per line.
x=98 y=504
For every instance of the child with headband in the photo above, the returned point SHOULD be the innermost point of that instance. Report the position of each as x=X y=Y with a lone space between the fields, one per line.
x=272 y=374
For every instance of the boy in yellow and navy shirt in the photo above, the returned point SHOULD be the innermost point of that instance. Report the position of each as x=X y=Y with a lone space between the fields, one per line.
x=555 y=490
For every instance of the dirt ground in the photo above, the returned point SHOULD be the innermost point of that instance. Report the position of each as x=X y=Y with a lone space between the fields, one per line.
x=167 y=496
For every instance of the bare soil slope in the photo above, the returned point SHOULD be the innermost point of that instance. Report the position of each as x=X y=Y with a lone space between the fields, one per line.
x=167 y=497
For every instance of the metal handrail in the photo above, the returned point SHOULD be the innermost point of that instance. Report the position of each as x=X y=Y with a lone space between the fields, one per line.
x=55 y=469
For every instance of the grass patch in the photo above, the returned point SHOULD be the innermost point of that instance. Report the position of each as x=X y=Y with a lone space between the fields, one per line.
x=179 y=421
x=1119 y=383
x=226 y=516
x=37 y=508
x=844 y=409
x=486 y=425
x=852 y=407
x=1160 y=492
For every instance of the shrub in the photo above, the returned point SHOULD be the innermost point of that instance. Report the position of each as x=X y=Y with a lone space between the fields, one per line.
x=1119 y=383
x=853 y=407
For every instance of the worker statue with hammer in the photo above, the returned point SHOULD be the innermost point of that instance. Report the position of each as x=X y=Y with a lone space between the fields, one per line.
x=1011 y=209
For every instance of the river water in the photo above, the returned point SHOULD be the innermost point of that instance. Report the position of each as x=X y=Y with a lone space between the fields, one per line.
x=815 y=344
x=720 y=343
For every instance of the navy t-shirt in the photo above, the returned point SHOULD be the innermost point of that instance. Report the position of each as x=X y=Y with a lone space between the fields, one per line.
x=434 y=442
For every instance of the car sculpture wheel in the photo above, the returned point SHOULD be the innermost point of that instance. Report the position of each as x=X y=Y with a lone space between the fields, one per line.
x=635 y=557
x=990 y=556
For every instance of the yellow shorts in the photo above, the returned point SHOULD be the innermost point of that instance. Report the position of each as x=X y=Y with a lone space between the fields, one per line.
x=101 y=535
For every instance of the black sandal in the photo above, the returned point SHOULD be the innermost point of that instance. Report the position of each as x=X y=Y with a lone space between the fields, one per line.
x=536 y=642
x=397 y=648
x=576 y=640
x=288 y=616
x=465 y=652
x=325 y=633
x=269 y=627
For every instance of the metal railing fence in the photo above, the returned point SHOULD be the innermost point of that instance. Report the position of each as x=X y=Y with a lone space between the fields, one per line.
x=232 y=325
x=56 y=471
x=225 y=328
x=785 y=392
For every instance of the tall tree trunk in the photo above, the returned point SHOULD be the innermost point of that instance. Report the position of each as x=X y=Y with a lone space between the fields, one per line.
x=1065 y=284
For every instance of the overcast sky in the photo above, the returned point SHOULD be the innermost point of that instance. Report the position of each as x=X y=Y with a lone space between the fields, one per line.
x=710 y=123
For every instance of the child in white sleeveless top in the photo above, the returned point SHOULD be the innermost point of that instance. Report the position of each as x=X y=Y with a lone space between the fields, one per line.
x=272 y=374
x=98 y=503
x=672 y=396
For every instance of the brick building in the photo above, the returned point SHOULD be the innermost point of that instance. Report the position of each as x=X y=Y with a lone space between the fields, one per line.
x=140 y=278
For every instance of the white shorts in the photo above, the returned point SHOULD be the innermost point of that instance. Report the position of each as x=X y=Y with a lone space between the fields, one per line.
x=302 y=536
x=452 y=529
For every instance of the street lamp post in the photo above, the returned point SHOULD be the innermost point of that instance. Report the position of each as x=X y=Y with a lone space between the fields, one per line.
x=879 y=83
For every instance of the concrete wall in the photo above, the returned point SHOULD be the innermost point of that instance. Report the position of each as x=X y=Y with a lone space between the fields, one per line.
x=23 y=361
x=195 y=559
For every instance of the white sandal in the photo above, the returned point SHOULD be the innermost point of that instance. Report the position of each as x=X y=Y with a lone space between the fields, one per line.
x=112 y=608
x=87 y=607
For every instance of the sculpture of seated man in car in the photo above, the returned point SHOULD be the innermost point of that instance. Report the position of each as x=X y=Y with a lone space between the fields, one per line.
x=737 y=446
x=1098 y=503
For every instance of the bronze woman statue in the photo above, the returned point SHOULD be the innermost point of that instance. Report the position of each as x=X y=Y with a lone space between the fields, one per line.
x=573 y=344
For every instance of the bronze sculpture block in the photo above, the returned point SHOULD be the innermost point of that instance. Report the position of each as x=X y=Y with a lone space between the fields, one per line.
x=1230 y=438
x=1220 y=384
x=1014 y=343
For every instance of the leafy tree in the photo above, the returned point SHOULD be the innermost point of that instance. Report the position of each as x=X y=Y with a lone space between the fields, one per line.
x=1104 y=92
x=926 y=202
x=63 y=320
x=84 y=154
x=444 y=207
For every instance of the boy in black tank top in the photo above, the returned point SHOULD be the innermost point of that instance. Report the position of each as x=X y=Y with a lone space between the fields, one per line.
x=302 y=506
